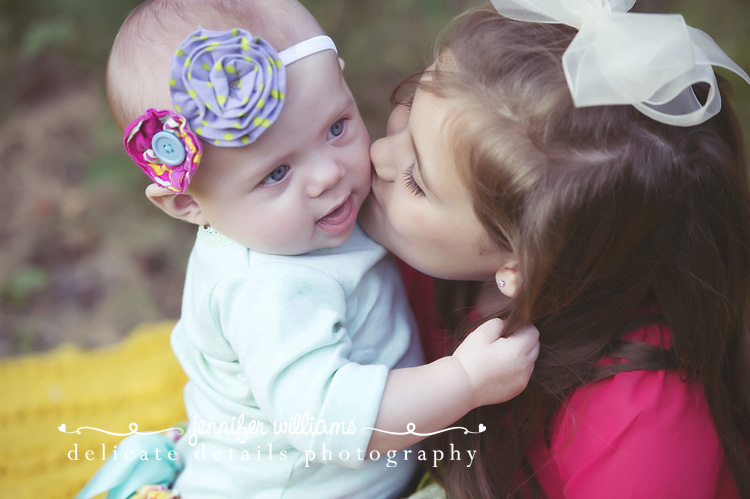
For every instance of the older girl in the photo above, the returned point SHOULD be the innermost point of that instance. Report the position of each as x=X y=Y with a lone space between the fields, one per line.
x=608 y=196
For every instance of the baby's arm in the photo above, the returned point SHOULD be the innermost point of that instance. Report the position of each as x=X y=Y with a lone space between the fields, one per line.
x=301 y=364
x=485 y=369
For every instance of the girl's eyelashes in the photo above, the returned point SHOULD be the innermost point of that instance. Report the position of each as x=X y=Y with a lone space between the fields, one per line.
x=336 y=130
x=411 y=184
x=277 y=175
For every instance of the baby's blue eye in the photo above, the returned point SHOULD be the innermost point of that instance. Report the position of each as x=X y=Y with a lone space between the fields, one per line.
x=336 y=129
x=277 y=175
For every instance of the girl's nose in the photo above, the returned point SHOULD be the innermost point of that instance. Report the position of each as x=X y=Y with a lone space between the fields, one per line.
x=382 y=157
x=326 y=175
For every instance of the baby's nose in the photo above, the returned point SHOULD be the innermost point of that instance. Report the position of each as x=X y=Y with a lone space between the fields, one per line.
x=325 y=176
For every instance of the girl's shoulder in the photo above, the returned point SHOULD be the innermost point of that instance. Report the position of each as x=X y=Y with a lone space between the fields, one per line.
x=650 y=424
x=651 y=332
x=420 y=290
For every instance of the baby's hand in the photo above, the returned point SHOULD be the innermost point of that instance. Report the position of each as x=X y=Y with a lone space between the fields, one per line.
x=498 y=368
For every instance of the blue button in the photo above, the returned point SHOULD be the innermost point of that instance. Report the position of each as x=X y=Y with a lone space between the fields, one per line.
x=168 y=148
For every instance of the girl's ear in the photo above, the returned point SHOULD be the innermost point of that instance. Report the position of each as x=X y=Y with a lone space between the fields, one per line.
x=180 y=206
x=508 y=278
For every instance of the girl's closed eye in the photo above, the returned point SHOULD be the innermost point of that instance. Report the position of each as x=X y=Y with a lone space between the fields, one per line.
x=337 y=129
x=277 y=175
x=411 y=184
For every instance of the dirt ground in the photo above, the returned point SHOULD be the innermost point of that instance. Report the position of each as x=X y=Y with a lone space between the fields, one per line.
x=83 y=256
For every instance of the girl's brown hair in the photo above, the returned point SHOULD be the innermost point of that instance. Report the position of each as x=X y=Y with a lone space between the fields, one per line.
x=606 y=210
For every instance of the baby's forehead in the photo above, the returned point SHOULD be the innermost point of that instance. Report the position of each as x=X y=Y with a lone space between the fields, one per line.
x=316 y=97
x=317 y=83
x=231 y=85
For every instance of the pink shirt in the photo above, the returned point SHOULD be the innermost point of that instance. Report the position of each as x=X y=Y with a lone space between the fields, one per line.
x=639 y=434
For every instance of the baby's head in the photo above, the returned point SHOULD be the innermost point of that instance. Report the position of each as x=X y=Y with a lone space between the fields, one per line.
x=285 y=182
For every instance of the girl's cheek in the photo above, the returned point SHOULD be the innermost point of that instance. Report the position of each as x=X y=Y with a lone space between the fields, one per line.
x=392 y=210
x=402 y=214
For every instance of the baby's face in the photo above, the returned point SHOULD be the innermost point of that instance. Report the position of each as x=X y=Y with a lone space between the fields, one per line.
x=299 y=187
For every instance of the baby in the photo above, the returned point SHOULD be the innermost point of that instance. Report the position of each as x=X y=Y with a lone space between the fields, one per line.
x=295 y=331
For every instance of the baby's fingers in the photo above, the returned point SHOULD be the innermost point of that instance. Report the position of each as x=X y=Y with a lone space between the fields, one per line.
x=534 y=352
x=489 y=331
x=526 y=339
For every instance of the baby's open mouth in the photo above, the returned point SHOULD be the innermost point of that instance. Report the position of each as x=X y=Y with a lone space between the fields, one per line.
x=340 y=219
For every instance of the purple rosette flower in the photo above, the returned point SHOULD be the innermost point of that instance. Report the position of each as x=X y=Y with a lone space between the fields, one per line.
x=229 y=85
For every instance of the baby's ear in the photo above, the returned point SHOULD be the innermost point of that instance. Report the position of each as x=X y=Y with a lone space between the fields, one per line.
x=180 y=206
x=342 y=63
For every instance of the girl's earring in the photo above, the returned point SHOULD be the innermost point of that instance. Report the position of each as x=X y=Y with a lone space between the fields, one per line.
x=507 y=279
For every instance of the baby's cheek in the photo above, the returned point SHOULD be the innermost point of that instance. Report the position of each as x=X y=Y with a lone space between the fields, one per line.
x=363 y=172
x=282 y=229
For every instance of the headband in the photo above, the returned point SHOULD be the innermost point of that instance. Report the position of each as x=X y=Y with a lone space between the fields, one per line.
x=227 y=87
x=649 y=61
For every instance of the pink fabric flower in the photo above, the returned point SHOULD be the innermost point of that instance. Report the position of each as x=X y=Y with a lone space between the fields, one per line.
x=159 y=165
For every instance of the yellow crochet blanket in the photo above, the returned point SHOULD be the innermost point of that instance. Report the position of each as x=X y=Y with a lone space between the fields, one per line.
x=47 y=397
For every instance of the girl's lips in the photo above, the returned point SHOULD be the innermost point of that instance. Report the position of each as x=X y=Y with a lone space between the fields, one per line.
x=339 y=220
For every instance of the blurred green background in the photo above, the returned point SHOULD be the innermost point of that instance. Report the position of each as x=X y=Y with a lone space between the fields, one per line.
x=83 y=256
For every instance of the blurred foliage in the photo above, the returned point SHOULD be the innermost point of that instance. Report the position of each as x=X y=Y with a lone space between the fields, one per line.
x=83 y=256
x=48 y=46
x=382 y=43
x=727 y=22
x=23 y=283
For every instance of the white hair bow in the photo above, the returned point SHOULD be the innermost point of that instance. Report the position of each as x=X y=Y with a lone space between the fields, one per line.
x=647 y=60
